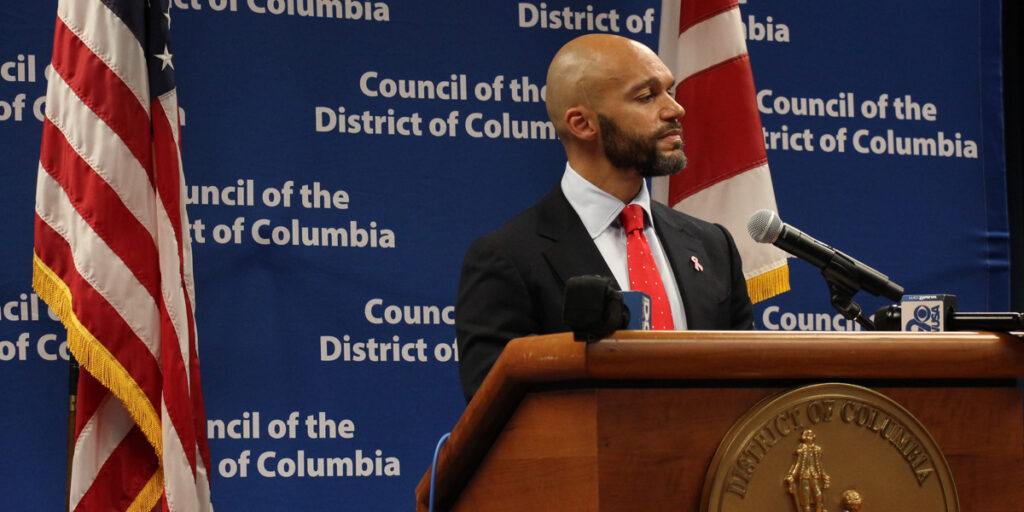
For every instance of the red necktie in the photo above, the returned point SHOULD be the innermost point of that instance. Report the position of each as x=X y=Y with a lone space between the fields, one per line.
x=643 y=272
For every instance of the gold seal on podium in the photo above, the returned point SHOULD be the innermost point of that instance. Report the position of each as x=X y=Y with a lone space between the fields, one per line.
x=829 y=448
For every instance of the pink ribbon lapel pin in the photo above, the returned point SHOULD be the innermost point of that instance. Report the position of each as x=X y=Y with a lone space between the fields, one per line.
x=696 y=264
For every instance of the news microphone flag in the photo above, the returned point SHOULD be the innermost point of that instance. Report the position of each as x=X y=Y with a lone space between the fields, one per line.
x=927 y=313
x=112 y=259
x=726 y=177
x=639 y=306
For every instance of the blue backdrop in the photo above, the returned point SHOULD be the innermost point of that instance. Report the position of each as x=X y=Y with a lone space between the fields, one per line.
x=340 y=166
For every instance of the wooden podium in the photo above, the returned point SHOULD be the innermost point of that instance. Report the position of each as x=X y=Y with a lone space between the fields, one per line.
x=632 y=422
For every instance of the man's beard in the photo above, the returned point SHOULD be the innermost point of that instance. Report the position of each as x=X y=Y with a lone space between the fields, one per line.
x=627 y=151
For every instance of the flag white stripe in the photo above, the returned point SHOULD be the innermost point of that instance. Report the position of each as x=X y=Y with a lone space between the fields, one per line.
x=202 y=483
x=173 y=293
x=111 y=40
x=101 y=267
x=169 y=102
x=659 y=188
x=101 y=148
x=186 y=239
x=96 y=442
x=668 y=33
x=734 y=200
x=179 y=486
x=186 y=236
x=170 y=285
x=714 y=40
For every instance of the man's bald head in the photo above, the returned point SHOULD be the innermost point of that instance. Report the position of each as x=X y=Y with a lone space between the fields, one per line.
x=584 y=68
x=611 y=101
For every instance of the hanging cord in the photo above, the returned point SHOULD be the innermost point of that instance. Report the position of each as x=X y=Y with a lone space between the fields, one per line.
x=433 y=468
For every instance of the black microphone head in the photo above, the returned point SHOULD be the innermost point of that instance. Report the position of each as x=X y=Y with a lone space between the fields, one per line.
x=592 y=307
x=764 y=226
x=888 y=318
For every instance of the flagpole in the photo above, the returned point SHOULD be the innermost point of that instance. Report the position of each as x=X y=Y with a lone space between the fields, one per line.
x=72 y=406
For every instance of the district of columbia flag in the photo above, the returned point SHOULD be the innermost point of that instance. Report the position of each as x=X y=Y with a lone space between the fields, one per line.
x=111 y=258
x=726 y=178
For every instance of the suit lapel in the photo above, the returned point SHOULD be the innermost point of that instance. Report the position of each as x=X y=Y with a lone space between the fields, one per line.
x=572 y=252
x=680 y=247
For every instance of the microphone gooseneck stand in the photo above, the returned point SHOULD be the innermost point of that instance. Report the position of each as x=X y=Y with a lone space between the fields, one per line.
x=842 y=287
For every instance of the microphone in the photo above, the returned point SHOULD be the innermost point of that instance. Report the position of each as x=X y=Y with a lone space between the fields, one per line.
x=594 y=308
x=933 y=313
x=766 y=227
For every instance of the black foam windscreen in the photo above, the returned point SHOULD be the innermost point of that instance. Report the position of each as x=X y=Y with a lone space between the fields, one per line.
x=592 y=307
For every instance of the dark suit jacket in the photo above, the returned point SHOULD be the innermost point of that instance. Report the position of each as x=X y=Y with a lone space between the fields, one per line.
x=513 y=278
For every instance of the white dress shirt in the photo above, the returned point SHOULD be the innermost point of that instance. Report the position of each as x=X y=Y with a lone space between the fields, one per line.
x=599 y=212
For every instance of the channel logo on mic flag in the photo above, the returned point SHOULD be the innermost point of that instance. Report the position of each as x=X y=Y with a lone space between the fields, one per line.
x=639 y=306
x=926 y=313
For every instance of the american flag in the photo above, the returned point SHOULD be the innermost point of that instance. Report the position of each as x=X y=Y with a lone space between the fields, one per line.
x=726 y=177
x=112 y=258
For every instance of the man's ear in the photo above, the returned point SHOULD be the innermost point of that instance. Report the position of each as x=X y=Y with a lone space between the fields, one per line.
x=581 y=122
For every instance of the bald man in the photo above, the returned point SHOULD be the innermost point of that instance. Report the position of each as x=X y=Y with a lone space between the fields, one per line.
x=610 y=100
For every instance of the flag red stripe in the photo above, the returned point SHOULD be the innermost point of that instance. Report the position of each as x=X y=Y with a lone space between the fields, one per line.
x=722 y=127
x=88 y=399
x=103 y=92
x=169 y=169
x=176 y=391
x=122 y=476
x=97 y=315
x=196 y=391
x=692 y=12
x=195 y=382
x=102 y=208
x=176 y=385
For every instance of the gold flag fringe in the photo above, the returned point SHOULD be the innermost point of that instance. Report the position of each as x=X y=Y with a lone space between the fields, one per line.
x=150 y=495
x=769 y=284
x=95 y=358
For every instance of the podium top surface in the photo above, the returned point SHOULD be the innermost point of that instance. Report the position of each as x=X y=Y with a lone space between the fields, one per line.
x=763 y=355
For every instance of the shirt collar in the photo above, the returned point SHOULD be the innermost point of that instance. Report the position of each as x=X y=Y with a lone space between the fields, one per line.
x=597 y=208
